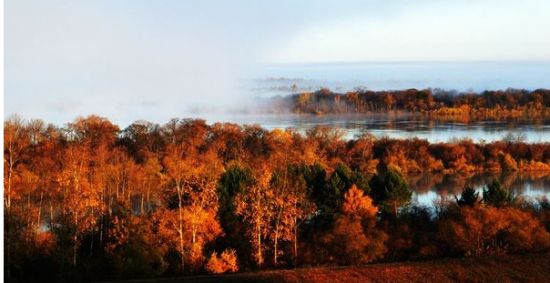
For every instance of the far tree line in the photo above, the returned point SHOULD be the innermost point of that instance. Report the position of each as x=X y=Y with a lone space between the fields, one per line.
x=89 y=201
x=438 y=103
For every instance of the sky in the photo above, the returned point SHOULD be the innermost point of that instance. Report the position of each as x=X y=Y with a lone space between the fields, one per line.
x=153 y=60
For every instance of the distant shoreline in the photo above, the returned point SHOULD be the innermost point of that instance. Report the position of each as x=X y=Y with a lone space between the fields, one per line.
x=433 y=103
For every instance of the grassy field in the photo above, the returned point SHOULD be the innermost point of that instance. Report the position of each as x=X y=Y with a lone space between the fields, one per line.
x=519 y=268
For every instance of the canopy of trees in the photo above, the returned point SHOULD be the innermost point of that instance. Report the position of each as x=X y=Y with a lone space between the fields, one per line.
x=510 y=103
x=90 y=201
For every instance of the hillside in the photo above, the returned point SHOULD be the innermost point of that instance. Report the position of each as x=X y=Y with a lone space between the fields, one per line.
x=518 y=268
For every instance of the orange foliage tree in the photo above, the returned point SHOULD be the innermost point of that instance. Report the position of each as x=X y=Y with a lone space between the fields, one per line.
x=482 y=230
x=354 y=238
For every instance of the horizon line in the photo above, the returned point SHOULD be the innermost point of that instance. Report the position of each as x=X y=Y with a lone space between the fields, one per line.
x=411 y=62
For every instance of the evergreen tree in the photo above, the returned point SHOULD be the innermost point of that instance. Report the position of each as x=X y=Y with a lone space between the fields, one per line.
x=495 y=195
x=468 y=197
x=390 y=191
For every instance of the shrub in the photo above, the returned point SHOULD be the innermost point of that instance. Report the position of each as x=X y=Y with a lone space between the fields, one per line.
x=226 y=262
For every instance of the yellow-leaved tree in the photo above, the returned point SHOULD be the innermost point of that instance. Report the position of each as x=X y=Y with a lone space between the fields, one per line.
x=254 y=206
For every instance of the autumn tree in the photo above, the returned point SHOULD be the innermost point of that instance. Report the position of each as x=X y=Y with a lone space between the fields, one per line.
x=483 y=230
x=195 y=188
x=254 y=206
x=360 y=153
x=88 y=142
x=79 y=199
x=290 y=206
x=198 y=229
x=142 y=139
x=149 y=180
x=354 y=238
x=193 y=175
x=15 y=143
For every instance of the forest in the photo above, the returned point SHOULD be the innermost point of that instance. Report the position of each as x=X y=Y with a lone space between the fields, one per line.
x=90 y=201
x=437 y=103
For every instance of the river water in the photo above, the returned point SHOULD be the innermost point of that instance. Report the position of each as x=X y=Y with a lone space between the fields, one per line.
x=397 y=126
x=429 y=189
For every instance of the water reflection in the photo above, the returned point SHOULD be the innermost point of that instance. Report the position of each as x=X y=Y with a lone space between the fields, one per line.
x=398 y=126
x=430 y=188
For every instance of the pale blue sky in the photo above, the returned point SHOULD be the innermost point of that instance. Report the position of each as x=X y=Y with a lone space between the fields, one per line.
x=153 y=60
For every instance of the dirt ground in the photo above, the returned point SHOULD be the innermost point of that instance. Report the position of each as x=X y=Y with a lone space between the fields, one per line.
x=517 y=268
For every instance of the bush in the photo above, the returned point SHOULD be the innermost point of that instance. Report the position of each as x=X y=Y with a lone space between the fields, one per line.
x=226 y=262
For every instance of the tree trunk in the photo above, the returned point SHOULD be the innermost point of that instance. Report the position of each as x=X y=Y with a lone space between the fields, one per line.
x=102 y=201
x=194 y=233
x=259 y=252
x=110 y=201
x=29 y=217
x=148 y=201
x=39 y=210
x=10 y=172
x=182 y=251
x=75 y=239
x=7 y=243
x=8 y=199
x=180 y=218
x=295 y=242
x=51 y=215
x=92 y=238
x=141 y=207
x=193 y=240
x=101 y=230
x=75 y=249
x=275 y=246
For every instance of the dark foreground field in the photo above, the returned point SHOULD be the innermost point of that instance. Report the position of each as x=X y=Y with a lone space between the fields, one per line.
x=522 y=268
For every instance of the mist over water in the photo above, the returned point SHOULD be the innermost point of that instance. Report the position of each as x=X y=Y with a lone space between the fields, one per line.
x=280 y=80
x=234 y=98
x=467 y=76
x=132 y=60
